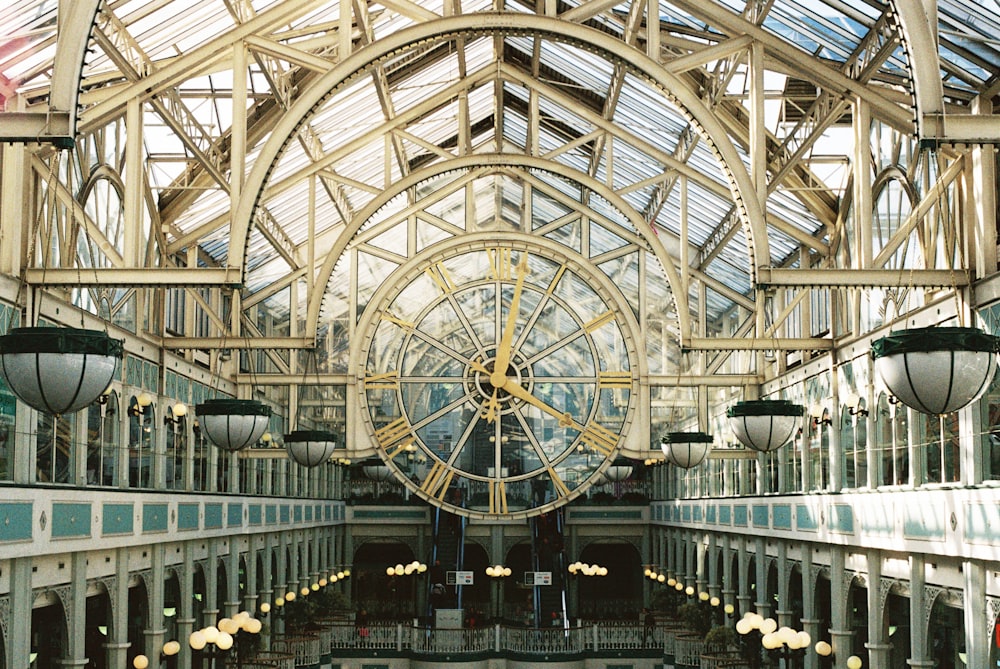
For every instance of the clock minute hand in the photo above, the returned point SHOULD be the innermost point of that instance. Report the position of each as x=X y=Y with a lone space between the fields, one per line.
x=515 y=389
x=503 y=352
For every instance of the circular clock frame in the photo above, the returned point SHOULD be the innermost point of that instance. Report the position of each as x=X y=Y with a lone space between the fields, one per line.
x=487 y=415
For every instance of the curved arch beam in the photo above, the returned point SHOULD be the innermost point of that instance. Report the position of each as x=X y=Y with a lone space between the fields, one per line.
x=701 y=116
x=490 y=161
x=919 y=36
x=58 y=124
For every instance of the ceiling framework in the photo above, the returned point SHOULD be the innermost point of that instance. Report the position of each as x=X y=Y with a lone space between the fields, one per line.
x=271 y=137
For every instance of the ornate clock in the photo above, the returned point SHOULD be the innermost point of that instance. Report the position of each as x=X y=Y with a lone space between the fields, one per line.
x=497 y=378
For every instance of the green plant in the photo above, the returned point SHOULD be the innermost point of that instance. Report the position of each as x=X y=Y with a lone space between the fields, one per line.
x=697 y=616
x=720 y=638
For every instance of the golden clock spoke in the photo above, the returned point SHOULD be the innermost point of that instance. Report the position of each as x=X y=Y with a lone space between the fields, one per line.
x=506 y=342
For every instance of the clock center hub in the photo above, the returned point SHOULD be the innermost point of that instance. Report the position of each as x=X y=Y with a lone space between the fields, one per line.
x=496 y=379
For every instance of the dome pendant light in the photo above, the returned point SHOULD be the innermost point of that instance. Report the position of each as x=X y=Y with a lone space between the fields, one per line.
x=233 y=425
x=936 y=370
x=310 y=448
x=58 y=370
x=686 y=449
x=764 y=425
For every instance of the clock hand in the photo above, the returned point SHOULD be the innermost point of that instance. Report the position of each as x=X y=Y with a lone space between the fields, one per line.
x=490 y=412
x=514 y=389
x=503 y=352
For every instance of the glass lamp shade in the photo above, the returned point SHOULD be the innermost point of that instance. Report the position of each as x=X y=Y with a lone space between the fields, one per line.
x=686 y=449
x=376 y=470
x=233 y=425
x=310 y=447
x=764 y=425
x=620 y=469
x=58 y=370
x=936 y=370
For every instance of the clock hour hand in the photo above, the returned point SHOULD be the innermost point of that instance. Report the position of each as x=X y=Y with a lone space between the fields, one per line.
x=515 y=389
x=503 y=352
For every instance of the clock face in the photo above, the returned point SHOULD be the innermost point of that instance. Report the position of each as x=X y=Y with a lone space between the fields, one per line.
x=499 y=377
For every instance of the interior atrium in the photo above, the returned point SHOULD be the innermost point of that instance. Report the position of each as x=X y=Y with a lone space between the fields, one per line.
x=493 y=333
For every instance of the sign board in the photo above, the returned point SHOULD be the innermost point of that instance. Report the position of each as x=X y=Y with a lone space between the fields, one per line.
x=538 y=578
x=448 y=619
x=459 y=578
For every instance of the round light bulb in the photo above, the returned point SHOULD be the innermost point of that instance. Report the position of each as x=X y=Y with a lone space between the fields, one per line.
x=179 y=410
x=280 y=601
x=253 y=626
x=140 y=662
x=290 y=596
x=743 y=626
x=714 y=601
x=646 y=572
x=823 y=648
x=729 y=609
x=304 y=591
x=671 y=581
x=211 y=634
x=323 y=582
x=689 y=591
x=228 y=625
x=704 y=596
x=314 y=587
x=489 y=571
x=390 y=571
x=854 y=662
x=197 y=640
x=224 y=642
x=171 y=648
x=660 y=578
x=506 y=571
x=679 y=586
x=603 y=571
x=768 y=625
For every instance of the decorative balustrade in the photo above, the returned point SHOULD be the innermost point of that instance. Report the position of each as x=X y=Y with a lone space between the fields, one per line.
x=273 y=658
x=688 y=648
x=305 y=648
x=591 y=636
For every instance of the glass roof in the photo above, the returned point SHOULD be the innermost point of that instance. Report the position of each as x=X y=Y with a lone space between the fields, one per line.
x=477 y=94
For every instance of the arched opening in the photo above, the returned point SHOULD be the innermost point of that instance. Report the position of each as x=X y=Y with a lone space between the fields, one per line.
x=138 y=619
x=49 y=633
x=381 y=596
x=617 y=595
x=98 y=626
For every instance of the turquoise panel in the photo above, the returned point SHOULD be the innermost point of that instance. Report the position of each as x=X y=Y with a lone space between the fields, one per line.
x=309 y=514
x=685 y=510
x=781 y=516
x=710 y=513
x=696 y=514
x=285 y=514
x=15 y=521
x=70 y=520
x=271 y=514
x=579 y=514
x=117 y=519
x=255 y=514
x=740 y=515
x=298 y=512
x=213 y=515
x=187 y=516
x=154 y=518
x=375 y=513
x=841 y=518
x=234 y=514
x=760 y=515
x=805 y=519
x=725 y=514
x=923 y=521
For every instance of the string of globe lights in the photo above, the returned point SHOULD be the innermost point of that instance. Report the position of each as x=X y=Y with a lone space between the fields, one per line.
x=652 y=574
x=583 y=569
x=415 y=567
x=290 y=596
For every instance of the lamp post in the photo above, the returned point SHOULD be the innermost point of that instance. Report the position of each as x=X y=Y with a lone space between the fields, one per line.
x=497 y=573
x=211 y=643
x=169 y=649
